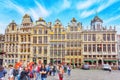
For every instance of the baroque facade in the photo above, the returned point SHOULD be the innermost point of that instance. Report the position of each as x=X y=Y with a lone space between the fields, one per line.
x=54 y=43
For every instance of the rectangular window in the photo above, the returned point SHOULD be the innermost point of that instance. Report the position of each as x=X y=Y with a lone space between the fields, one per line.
x=29 y=38
x=75 y=36
x=34 y=39
x=89 y=37
x=113 y=37
x=55 y=30
x=68 y=36
x=55 y=36
x=34 y=49
x=39 y=50
x=28 y=47
x=40 y=31
x=45 y=50
x=104 y=47
x=109 y=48
x=68 y=52
x=85 y=47
x=85 y=37
x=108 y=37
x=99 y=47
x=75 y=44
x=72 y=44
x=94 y=37
x=89 y=47
x=94 y=48
x=113 y=47
x=35 y=31
x=68 y=44
x=59 y=36
x=45 y=39
x=40 y=39
x=104 y=37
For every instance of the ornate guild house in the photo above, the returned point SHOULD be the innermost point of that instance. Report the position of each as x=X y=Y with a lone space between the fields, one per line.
x=54 y=43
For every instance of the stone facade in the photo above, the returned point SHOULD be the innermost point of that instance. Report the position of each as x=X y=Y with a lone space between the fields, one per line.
x=55 y=43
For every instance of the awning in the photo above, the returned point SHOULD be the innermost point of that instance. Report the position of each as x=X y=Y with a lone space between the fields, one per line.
x=111 y=60
x=89 y=60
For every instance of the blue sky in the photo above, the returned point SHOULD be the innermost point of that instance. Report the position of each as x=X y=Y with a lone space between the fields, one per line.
x=50 y=10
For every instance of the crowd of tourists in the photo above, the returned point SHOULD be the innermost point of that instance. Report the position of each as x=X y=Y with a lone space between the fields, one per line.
x=33 y=71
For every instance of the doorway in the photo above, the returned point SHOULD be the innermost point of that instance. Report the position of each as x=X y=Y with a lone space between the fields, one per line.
x=99 y=61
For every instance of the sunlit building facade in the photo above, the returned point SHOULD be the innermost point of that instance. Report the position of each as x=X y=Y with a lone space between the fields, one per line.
x=51 y=43
x=57 y=42
x=11 y=44
x=99 y=44
x=74 y=43
x=40 y=41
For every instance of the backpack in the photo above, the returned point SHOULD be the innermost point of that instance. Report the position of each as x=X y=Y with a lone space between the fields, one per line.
x=15 y=72
x=22 y=75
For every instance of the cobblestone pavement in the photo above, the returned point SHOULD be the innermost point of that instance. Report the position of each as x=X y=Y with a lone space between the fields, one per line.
x=78 y=74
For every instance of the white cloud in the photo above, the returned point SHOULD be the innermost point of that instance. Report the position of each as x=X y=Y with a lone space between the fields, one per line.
x=61 y=6
x=66 y=4
x=106 y=4
x=85 y=14
x=35 y=12
x=112 y=19
x=11 y=5
x=86 y=4
x=42 y=11
x=2 y=27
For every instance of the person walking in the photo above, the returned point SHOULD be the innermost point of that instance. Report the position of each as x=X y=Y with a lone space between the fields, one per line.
x=60 y=72
x=37 y=72
x=15 y=73
x=24 y=74
x=69 y=70
x=43 y=72
x=2 y=73
x=10 y=74
x=54 y=70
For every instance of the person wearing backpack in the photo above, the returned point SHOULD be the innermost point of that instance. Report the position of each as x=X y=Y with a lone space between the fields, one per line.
x=15 y=73
x=24 y=74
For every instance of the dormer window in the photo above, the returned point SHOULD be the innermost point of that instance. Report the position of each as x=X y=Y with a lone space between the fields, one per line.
x=98 y=26
x=96 y=23
x=13 y=27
